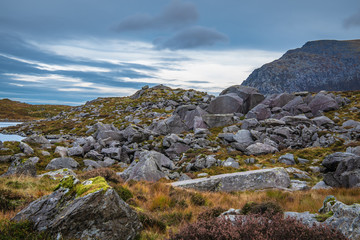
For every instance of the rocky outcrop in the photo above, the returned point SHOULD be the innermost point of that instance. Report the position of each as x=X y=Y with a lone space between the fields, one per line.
x=318 y=65
x=250 y=180
x=342 y=170
x=21 y=167
x=58 y=163
x=87 y=210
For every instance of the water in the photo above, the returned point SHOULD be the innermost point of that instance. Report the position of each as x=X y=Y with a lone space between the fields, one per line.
x=12 y=137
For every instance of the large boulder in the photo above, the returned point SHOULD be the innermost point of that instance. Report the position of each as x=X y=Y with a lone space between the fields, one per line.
x=20 y=167
x=240 y=181
x=26 y=148
x=260 y=112
x=343 y=170
x=106 y=131
x=243 y=139
x=259 y=149
x=345 y=218
x=150 y=167
x=322 y=102
x=229 y=103
x=250 y=96
x=218 y=120
x=88 y=210
x=36 y=139
x=62 y=162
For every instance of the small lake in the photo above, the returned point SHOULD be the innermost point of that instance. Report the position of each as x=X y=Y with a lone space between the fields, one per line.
x=12 y=137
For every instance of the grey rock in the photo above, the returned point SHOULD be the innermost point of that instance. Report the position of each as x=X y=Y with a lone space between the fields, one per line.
x=306 y=218
x=26 y=149
x=176 y=149
x=91 y=164
x=107 y=162
x=230 y=162
x=272 y=122
x=218 y=120
x=20 y=167
x=260 y=148
x=345 y=218
x=297 y=185
x=250 y=96
x=280 y=100
x=75 y=151
x=321 y=185
x=149 y=168
x=243 y=139
x=322 y=102
x=250 y=161
x=229 y=137
x=107 y=131
x=202 y=175
x=260 y=112
x=250 y=180
x=183 y=177
x=45 y=153
x=303 y=160
x=112 y=152
x=65 y=162
x=92 y=154
x=249 y=123
x=5 y=158
x=58 y=174
x=323 y=121
x=36 y=139
x=350 y=124
x=229 y=103
x=296 y=120
x=62 y=151
x=353 y=150
x=98 y=215
x=288 y=159
x=332 y=161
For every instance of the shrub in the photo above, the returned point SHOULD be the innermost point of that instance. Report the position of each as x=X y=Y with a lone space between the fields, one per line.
x=211 y=213
x=261 y=208
x=198 y=199
x=149 y=221
x=176 y=218
x=106 y=173
x=255 y=227
x=162 y=202
x=20 y=231
x=9 y=200
x=123 y=192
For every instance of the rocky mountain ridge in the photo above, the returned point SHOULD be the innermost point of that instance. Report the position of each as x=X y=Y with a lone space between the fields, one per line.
x=318 y=65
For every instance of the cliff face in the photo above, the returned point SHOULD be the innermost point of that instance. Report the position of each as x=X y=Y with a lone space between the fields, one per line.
x=318 y=65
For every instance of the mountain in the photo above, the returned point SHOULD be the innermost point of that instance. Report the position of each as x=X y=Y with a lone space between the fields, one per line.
x=318 y=65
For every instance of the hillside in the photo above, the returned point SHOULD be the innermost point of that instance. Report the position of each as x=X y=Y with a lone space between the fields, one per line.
x=18 y=111
x=165 y=158
x=318 y=65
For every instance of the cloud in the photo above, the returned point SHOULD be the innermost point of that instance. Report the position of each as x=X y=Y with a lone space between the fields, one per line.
x=353 y=20
x=192 y=37
x=176 y=14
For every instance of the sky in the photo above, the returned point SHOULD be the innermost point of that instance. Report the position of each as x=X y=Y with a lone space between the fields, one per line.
x=73 y=51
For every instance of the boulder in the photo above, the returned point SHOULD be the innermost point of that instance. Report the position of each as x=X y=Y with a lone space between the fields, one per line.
x=240 y=181
x=260 y=112
x=354 y=150
x=287 y=159
x=88 y=210
x=229 y=103
x=112 y=152
x=20 y=167
x=243 y=139
x=230 y=162
x=347 y=172
x=323 y=121
x=58 y=174
x=149 y=167
x=280 y=100
x=218 y=120
x=249 y=123
x=62 y=151
x=345 y=218
x=259 y=149
x=92 y=154
x=250 y=96
x=322 y=102
x=306 y=218
x=176 y=149
x=65 y=162
x=297 y=120
x=36 y=139
x=26 y=149
x=350 y=124
x=75 y=151
x=106 y=131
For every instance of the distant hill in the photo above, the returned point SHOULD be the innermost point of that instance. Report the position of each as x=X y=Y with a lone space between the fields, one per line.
x=13 y=110
x=318 y=65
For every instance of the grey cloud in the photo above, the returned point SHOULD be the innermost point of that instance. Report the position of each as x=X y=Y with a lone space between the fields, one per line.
x=176 y=14
x=192 y=37
x=353 y=20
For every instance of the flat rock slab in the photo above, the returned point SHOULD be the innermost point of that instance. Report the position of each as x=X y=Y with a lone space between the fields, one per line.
x=240 y=181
